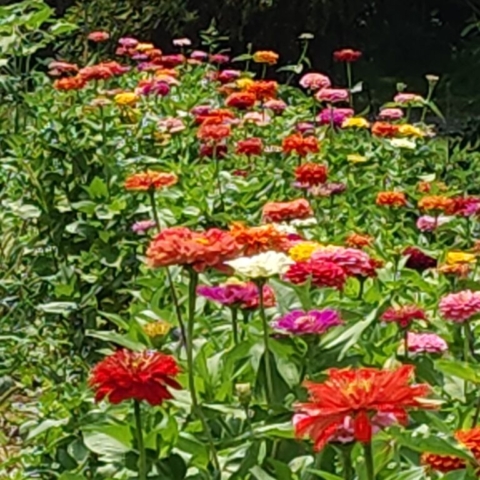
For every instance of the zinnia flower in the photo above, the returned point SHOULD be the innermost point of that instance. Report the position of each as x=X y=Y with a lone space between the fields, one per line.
x=314 y=322
x=384 y=129
x=243 y=295
x=315 y=81
x=261 y=266
x=464 y=206
x=181 y=42
x=277 y=106
x=427 y=223
x=98 y=36
x=241 y=100
x=303 y=251
x=404 y=315
x=455 y=257
x=300 y=145
x=127 y=375
x=227 y=76
x=143 y=226
x=461 y=306
x=408 y=99
x=332 y=95
x=158 y=329
x=126 y=99
x=70 y=83
x=310 y=174
x=265 y=56
x=213 y=133
x=418 y=260
x=150 y=180
x=250 y=146
x=254 y=240
x=153 y=87
x=285 y=211
x=182 y=246
x=391 y=114
x=426 y=343
x=470 y=439
x=358 y=240
x=460 y=270
x=437 y=203
x=327 y=189
x=347 y=55
x=391 y=199
x=263 y=89
x=320 y=273
x=360 y=394
x=337 y=116
x=355 y=122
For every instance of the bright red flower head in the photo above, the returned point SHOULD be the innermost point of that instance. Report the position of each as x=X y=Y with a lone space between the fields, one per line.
x=311 y=174
x=285 y=211
x=347 y=55
x=241 y=100
x=250 y=146
x=404 y=315
x=182 y=246
x=320 y=273
x=359 y=394
x=127 y=375
x=213 y=133
x=384 y=129
x=150 y=180
x=300 y=145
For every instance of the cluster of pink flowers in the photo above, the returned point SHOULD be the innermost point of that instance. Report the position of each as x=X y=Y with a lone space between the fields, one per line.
x=460 y=307
x=426 y=343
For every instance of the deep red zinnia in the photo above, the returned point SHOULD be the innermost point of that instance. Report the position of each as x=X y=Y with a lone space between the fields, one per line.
x=250 y=146
x=404 y=315
x=359 y=394
x=311 y=174
x=128 y=375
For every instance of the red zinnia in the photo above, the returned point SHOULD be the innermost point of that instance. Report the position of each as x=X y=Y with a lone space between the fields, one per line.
x=404 y=315
x=285 y=211
x=311 y=174
x=391 y=199
x=182 y=246
x=150 y=180
x=359 y=394
x=384 y=129
x=347 y=55
x=417 y=260
x=127 y=375
x=250 y=146
x=213 y=133
x=320 y=273
x=241 y=100
x=300 y=145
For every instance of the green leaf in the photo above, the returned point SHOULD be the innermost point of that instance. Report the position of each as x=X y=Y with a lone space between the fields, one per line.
x=97 y=189
x=416 y=473
x=260 y=474
x=116 y=338
x=105 y=445
x=459 y=369
x=71 y=476
x=58 y=307
x=242 y=58
x=324 y=475
x=44 y=426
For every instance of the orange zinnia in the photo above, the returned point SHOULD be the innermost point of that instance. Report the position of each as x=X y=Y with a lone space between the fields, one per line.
x=182 y=246
x=265 y=56
x=358 y=394
x=384 y=129
x=435 y=202
x=150 y=180
x=254 y=240
x=357 y=240
x=391 y=199
x=470 y=439
x=213 y=133
x=300 y=145
x=70 y=83
x=285 y=211
x=263 y=89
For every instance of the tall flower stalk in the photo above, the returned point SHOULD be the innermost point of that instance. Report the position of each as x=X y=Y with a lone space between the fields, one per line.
x=142 y=459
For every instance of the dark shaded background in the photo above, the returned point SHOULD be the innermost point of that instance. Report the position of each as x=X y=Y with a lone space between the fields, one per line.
x=402 y=40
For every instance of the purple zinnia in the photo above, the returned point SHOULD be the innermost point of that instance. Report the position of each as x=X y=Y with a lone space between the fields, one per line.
x=143 y=225
x=313 y=322
x=334 y=115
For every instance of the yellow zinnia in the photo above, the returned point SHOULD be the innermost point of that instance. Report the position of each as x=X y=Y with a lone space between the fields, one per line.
x=408 y=130
x=460 y=257
x=355 y=122
x=302 y=251
x=244 y=83
x=356 y=158
x=126 y=98
x=157 y=329
x=144 y=47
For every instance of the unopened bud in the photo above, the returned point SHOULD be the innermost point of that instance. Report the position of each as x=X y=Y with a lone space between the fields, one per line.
x=243 y=392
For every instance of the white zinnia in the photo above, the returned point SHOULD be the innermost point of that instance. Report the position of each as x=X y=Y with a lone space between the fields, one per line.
x=403 y=143
x=263 y=265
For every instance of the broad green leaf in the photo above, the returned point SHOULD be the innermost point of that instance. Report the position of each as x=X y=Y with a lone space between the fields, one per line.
x=260 y=474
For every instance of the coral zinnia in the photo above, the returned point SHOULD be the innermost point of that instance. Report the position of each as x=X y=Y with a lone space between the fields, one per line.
x=285 y=211
x=359 y=393
x=311 y=174
x=358 y=240
x=254 y=240
x=384 y=129
x=347 y=55
x=70 y=83
x=241 y=100
x=250 y=146
x=182 y=246
x=300 y=145
x=213 y=133
x=127 y=375
x=150 y=180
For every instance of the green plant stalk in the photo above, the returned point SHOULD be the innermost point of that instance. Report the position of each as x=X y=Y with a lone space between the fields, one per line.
x=431 y=88
x=266 y=338
x=173 y=292
x=347 y=463
x=348 y=67
x=466 y=341
x=368 y=452
x=197 y=409
x=142 y=459
x=405 y=342
x=234 y=312
x=476 y=415
x=217 y=177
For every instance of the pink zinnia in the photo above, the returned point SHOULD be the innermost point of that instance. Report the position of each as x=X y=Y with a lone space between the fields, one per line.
x=332 y=95
x=181 y=42
x=171 y=125
x=426 y=343
x=391 y=114
x=404 y=315
x=461 y=306
x=407 y=98
x=142 y=226
x=98 y=36
x=427 y=223
x=128 y=42
x=353 y=261
x=315 y=81
x=226 y=76
x=334 y=115
x=277 y=106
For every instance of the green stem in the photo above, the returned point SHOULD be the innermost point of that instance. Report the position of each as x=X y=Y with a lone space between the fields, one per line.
x=217 y=177
x=466 y=341
x=349 y=82
x=361 y=288
x=266 y=339
x=405 y=342
x=197 y=409
x=235 y=325
x=347 y=463
x=142 y=459
x=367 y=448
x=264 y=70
x=171 y=286
x=476 y=415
